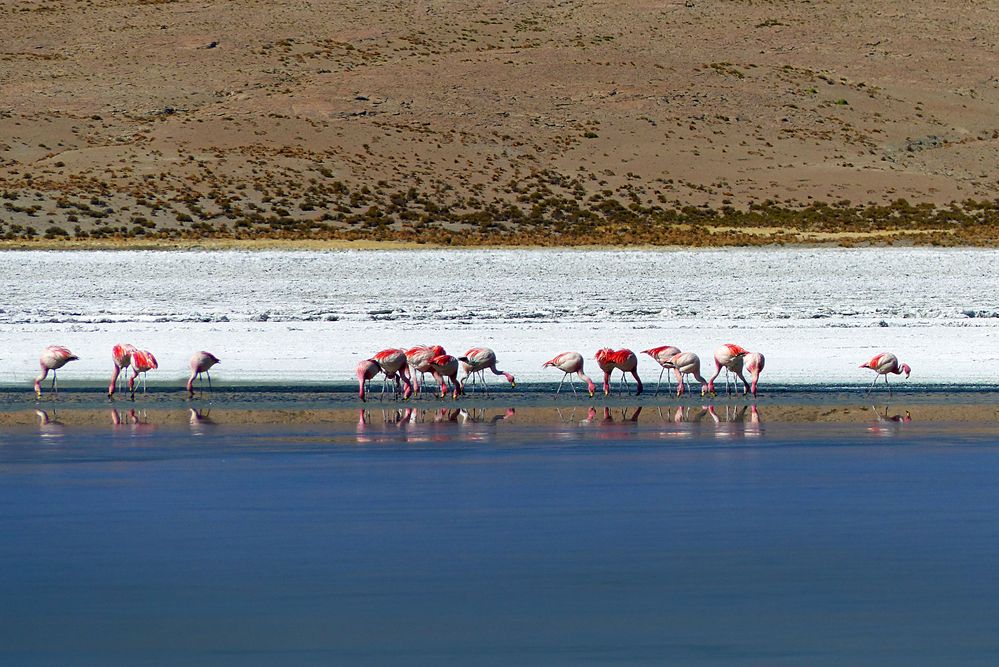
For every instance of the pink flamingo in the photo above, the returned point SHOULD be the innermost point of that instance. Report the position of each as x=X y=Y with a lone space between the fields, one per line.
x=569 y=363
x=754 y=362
x=687 y=363
x=883 y=364
x=728 y=356
x=121 y=354
x=143 y=361
x=419 y=361
x=475 y=363
x=201 y=362
x=662 y=355
x=395 y=366
x=624 y=360
x=366 y=370
x=445 y=367
x=52 y=359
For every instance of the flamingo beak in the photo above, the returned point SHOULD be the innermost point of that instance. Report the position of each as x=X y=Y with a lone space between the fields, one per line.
x=514 y=384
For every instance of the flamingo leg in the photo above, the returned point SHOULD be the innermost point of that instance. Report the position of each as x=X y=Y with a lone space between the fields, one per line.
x=560 y=384
x=887 y=385
x=55 y=386
x=660 y=383
x=871 y=388
x=572 y=383
x=209 y=376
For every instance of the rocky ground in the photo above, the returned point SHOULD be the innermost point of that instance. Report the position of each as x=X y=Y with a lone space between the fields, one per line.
x=470 y=122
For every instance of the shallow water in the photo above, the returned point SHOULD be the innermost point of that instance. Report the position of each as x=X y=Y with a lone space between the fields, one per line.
x=267 y=531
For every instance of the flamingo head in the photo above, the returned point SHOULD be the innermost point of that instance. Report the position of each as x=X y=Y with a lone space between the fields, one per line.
x=509 y=378
x=906 y=370
x=437 y=350
x=592 y=388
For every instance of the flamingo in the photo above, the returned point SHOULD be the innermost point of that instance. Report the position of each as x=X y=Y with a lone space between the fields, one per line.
x=476 y=361
x=201 y=362
x=883 y=364
x=687 y=363
x=662 y=355
x=624 y=360
x=419 y=358
x=570 y=363
x=394 y=364
x=445 y=367
x=121 y=354
x=754 y=364
x=143 y=361
x=365 y=370
x=52 y=359
x=728 y=356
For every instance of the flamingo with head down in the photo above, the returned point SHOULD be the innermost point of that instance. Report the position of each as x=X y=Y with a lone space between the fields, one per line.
x=365 y=370
x=395 y=366
x=662 y=355
x=623 y=360
x=688 y=363
x=476 y=362
x=419 y=362
x=728 y=356
x=570 y=363
x=143 y=361
x=201 y=362
x=884 y=364
x=444 y=367
x=52 y=359
x=121 y=355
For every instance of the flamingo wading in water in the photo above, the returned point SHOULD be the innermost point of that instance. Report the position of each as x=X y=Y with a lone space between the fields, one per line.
x=688 y=363
x=121 y=354
x=419 y=362
x=624 y=360
x=201 y=362
x=662 y=355
x=730 y=357
x=52 y=359
x=475 y=363
x=445 y=367
x=571 y=363
x=143 y=361
x=365 y=370
x=395 y=365
x=883 y=364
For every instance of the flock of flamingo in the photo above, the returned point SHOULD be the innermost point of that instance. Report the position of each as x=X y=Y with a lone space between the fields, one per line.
x=402 y=367
x=405 y=370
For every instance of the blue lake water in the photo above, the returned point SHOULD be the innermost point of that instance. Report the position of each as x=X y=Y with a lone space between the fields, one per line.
x=547 y=541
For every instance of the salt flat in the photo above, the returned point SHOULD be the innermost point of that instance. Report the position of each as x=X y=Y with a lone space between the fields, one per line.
x=310 y=316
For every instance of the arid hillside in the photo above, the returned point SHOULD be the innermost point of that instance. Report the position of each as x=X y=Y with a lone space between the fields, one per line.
x=487 y=121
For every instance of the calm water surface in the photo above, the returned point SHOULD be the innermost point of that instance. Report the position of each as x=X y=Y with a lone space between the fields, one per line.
x=769 y=543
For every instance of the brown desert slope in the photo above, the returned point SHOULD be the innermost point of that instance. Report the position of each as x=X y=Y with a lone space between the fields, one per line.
x=533 y=122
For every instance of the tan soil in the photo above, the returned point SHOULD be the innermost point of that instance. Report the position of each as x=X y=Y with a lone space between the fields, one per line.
x=121 y=107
